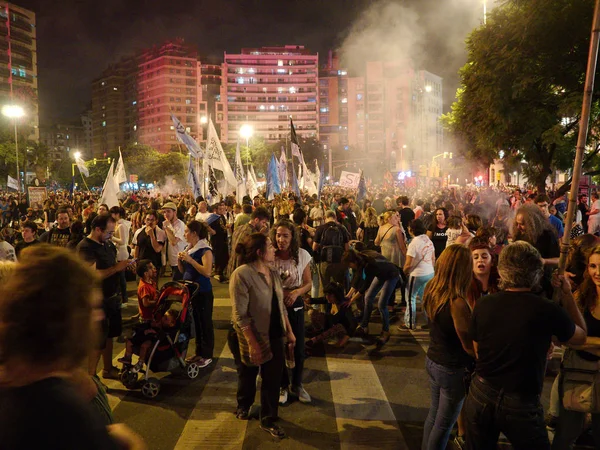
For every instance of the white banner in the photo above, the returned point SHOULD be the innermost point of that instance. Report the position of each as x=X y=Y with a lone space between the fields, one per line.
x=216 y=156
x=349 y=179
x=12 y=183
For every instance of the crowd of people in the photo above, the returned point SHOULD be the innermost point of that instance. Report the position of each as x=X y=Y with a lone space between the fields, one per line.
x=473 y=267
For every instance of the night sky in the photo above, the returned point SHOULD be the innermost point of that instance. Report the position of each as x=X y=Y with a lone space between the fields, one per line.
x=77 y=39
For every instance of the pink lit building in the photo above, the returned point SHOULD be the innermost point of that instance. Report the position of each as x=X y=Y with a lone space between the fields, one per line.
x=263 y=87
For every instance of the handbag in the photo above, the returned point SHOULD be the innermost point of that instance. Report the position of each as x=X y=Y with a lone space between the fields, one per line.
x=265 y=347
x=579 y=382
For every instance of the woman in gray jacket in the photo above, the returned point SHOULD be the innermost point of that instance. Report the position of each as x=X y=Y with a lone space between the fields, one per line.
x=260 y=322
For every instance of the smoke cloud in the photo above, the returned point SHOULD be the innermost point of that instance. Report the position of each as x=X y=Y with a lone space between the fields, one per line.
x=430 y=33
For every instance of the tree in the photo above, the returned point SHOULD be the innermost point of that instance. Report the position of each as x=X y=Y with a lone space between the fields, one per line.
x=522 y=87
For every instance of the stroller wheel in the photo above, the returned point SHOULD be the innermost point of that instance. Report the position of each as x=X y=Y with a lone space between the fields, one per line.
x=193 y=370
x=151 y=388
x=129 y=379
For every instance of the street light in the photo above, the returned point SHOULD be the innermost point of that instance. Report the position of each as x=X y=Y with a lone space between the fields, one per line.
x=203 y=120
x=76 y=155
x=15 y=112
x=246 y=131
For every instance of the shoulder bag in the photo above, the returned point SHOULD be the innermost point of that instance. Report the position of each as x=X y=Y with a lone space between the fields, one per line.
x=579 y=383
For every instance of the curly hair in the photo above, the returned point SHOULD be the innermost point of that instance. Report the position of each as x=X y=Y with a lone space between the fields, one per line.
x=579 y=253
x=535 y=224
x=370 y=217
x=294 y=245
x=587 y=294
x=520 y=266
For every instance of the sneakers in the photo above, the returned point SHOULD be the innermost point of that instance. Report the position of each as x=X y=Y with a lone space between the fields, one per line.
x=111 y=374
x=242 y=414
x=283 y=396
x=199 y=360
x=301 y=393
x=272 y=428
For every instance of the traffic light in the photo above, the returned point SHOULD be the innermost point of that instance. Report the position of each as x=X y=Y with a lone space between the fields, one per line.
x=109 y=160
x=94 y=161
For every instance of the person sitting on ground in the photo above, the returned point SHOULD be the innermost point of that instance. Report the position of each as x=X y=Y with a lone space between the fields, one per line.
x=144 y=335
x=339 y=322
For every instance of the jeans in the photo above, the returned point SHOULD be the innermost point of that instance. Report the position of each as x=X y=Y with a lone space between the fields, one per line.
x=202 y=309
x=388 y=288
x=296 y=319
x=416 y=287
x=490 y=411
x=447 y=396
x=270 y=373
x=570 y=426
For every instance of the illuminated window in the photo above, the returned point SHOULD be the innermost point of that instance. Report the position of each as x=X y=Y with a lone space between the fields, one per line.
x=115 y=89
x=280 y=63
x=344 y=100
x=359 y=96
x=240 y=80
x=262 y=107
x=280 y=90
x=22 y=73
x=292 y=90
x=104 y=123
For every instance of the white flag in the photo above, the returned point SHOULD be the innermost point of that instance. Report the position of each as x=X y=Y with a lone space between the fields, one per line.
x=308 y=180
x=81 y=165
x=186 y=139
x=192 y=179
x=120 y=175
x=252 y=184
x=110 y=189
x=239 y=176
x=12 y=183
x=216 y=156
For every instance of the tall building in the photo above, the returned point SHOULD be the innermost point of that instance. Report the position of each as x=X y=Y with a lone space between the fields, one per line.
x=333 y=105
x=167 y=82
x=112 y=103
x=18 y=63
x=63 y=139
x=133 y=100
x=263 y=87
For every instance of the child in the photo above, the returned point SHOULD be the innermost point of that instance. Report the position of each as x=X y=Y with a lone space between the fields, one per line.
x=147 y=290
x=339 y=322
x=455 y=229
x=144 y=335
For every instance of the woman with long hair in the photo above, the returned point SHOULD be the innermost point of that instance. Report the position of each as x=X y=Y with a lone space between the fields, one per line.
x=260 y=323
x=391 y=238
x=292 y=264
x=195 y=263
x=450 y=352
x=368 y=229
x=437 y=230
x=570 y=423
x=485 y=273
x=419 y=268
x=371 y=276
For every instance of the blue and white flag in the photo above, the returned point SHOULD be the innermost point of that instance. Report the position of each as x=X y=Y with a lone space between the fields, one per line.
x=81 y=166
x=186 y=139
x=283 y=168
x=192 y=179
x=321 y=174
x=273 y=186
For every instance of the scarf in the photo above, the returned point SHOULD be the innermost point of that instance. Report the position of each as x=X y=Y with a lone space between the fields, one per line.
x=202 y=243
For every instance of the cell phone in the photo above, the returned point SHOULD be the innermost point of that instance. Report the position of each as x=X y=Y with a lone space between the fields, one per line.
x=132 y=261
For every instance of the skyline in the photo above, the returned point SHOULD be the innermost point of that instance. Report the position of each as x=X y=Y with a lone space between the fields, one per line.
x=77 y=41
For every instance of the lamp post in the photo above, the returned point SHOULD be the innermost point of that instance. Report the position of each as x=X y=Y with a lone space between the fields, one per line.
x=246 y=131
x=15 y=112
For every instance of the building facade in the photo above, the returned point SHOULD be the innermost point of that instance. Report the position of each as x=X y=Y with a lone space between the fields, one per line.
x=63 y=139
x=264 y=87
x=18 y=63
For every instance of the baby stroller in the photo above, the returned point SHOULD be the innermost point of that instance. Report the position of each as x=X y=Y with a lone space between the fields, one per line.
x=169 y=350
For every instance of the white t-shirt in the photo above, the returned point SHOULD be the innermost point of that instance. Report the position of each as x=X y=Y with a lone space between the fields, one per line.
x=292 y=271
x=174 y=250
x=422 y=251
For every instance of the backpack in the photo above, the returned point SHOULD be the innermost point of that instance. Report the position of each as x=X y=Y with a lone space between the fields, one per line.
x=334 y=249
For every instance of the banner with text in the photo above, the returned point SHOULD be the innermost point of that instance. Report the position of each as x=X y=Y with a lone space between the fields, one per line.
x=37 y=196
x=349 y=179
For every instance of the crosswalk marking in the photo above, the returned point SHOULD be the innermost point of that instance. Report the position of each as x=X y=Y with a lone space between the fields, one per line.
x=212 y=424
x=363 y=413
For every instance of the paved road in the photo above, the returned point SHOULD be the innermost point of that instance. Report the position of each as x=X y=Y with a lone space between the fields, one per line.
x=362 y=399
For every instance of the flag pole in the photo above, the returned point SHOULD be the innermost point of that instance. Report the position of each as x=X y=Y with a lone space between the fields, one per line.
x=582 y=137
